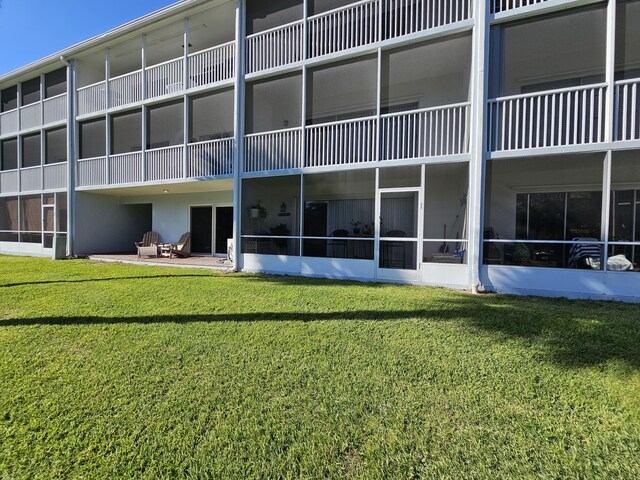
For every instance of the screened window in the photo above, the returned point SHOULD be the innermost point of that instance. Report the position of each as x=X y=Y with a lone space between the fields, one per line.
x=55 y=83
x=56 y=146
x=31 y=91
x=165 y=125
x=9 y=154
x=211 y=116
x=274 y=104
x=263 y=15
x=126 y=132
x=9 y=99
x=92 y=138
x=31 y=151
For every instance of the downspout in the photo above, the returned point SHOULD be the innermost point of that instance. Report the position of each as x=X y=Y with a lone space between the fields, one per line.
x=71 y=155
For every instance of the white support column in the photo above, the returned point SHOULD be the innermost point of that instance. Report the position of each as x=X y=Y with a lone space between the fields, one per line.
x=144 y=109
x=72 y=155
x=610 y=68
x=107 y=124
x=43 y=136
x=19 y=139
x=378 y=105
x=185 y=112
x=606 y=205
x=420 y=232
x=376 y=226
x=238 y=151
x=303 y=133
x=477 y=144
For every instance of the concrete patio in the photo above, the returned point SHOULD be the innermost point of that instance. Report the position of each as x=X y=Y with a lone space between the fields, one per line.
x=215 y=263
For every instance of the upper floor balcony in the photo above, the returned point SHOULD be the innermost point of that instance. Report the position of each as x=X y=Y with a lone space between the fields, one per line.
x=124 y=154
x=352 y=26
x=36 y=103
x=555 y=97
x=159 y=63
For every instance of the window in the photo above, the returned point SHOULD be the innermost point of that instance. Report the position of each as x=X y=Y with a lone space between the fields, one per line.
x=92 y=138
x=55 y=83
x=9 y=99
x=31 y=91
x=9 y=154
x=165 y=125
x=9 y=219
x=274 y=104
x=263 y=15
x=211 y=116
x=126 y=132
x=56 y=146
x=31 y=219
x=31 y=151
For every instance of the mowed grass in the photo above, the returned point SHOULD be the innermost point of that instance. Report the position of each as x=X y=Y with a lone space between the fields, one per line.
x=120 y=371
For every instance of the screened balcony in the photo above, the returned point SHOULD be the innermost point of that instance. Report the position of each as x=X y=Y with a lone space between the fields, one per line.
x=548 y=93
x=627 y=61
x=171 y=67
x=423 y=110
x=276 y=33
x=166 y=156
x=40 y=103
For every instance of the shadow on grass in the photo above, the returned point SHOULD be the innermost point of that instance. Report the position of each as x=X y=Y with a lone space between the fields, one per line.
x=91 y=280
x=573 y=334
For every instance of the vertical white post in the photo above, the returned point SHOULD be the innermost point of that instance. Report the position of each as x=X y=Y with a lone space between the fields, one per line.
x=609 y=126
x=107 y=125
x=610 y=69
x=606 y=206
x=43 y=136
x=19 y=142
x=420 y=232
x=238 y=151
x=144 y=109
x=378 y=136
x=73 y=140
x=185 y=112
x=477 y=147
x=376 y=227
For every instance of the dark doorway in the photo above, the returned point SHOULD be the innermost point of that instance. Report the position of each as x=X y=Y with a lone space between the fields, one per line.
x=224 y=228
x=201 y=229
x=315 y=225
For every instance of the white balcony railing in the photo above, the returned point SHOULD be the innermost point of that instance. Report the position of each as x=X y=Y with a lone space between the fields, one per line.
x=125 y=89
x=55 y=176
x=627 y=110
x=429 y=132
x=55 y=109
x=275 y=47
x=278 y=150
x=125 y=168
x=31 y=116
x=164 y=163
x=211 y=158
x=92 y=99
x=569 y=116
x=165 y=78
x=341 y=143
x=8 y=122
x=92 y=172
x=497 y=6
x=211 y=66
x=404 y=17
x=30 y=179
x=9 y=181
x=347 y=27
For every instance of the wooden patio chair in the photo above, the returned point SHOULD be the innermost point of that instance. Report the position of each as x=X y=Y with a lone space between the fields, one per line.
x=182 y=248
x=149 y=245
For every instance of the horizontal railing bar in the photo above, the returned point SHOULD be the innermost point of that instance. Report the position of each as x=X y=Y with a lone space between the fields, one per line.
x=548 y=92
x=628 y=81
x=210 y=49
x=215 y=140
x=340 y=122
x=423 y=110
x=275 y=29
x=167 y=62
x=340 y=9
x=272 y=132
x=559 y=242
x=54 y=97
x=93 y=85
x=134 y=72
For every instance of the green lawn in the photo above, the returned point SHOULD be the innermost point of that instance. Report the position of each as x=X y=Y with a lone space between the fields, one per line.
x=119 y=371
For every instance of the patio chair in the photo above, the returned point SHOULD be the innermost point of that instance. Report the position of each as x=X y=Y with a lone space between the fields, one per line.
x=149 y=245
x=182 y=248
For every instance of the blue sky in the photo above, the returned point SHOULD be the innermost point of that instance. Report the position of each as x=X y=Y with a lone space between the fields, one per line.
x=32 y=29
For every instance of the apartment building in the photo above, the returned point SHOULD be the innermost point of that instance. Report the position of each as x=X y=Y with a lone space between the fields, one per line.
x=476 y=145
